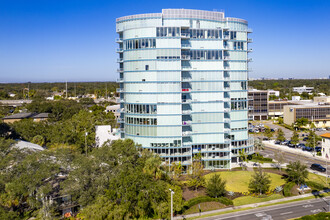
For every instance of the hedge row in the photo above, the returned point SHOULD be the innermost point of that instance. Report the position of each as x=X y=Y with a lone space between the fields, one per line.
x=202 y=199
x=287 y=188
x=315 y=185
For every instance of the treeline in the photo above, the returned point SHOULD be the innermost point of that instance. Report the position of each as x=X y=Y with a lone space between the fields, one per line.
x=37 y=90
x=286 y=86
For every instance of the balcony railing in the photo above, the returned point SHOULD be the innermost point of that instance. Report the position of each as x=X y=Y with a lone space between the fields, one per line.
x=186 y=67
x=119 y=90
x=120 y=120
x=187 y=143
x=120 y=70
x=227 y=120
x=226 y=47
x=120 y=50
x=225 y=37
x=185 y=35
x=186 y=101
x=185 y=57
x=185 y=79
x=249 y=60
x=119 y=40
x=186 y=123
x=120 y=80
x=226 y=67
x=186 y=133
x=250 y=50
x=226 y=57
x=185 y=90
x=186 y=112
x=185 y=46
x=120 y=60
x=226 y=110
x=226 y=130
x=249 y=40
x=249 y=30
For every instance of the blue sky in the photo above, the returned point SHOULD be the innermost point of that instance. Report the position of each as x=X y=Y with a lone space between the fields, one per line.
x=74 y=40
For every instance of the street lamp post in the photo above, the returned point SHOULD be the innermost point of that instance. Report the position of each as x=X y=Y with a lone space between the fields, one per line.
x=172 y=192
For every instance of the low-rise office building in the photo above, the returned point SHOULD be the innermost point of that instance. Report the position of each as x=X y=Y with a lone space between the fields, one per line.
x=19 y=116
x=322 y=99
x=275 y=108
x=326 y=145
x=258 y=104
x=318 y=113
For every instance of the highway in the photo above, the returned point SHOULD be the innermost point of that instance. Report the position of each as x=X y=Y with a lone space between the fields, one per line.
x=279 y=212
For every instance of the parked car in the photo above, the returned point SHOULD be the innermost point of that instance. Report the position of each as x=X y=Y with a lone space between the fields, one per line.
x=284 y=142
x=318 y=149
x=305 y=148
x=277 y=142
x=317 y=167
x=301 y=145
x=291 y=145
x=305 y=139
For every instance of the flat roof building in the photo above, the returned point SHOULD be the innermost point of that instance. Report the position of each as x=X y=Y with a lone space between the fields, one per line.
x=258 y=104
x=303 y=89
x=319 y=114
x=183 y=85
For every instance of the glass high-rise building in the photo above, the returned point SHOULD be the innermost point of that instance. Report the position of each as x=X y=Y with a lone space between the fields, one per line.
x=183 y=85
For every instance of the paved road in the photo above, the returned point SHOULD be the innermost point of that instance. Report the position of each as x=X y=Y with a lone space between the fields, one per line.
x=279 y=212
x=270 y=152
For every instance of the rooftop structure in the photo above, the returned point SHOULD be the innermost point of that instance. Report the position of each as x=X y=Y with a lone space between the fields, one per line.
x=183 y=85
x=258 y=104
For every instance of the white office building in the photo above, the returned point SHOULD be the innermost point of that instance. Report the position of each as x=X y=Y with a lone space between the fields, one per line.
x=183 y=85
x=302 y=89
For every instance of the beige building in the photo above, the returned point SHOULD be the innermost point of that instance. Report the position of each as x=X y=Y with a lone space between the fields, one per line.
x=276 y=108
x=318 y=113
x=322 y=99
x=326 y=145
x=258 y=104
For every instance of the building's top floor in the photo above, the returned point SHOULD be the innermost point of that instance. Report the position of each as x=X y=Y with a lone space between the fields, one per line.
x=184 y=13
x=322 y=99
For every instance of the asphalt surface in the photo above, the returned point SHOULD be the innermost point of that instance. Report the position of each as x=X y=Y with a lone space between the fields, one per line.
x=280 y=212
x=288 y=156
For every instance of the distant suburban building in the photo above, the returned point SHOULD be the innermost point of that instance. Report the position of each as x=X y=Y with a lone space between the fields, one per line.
x=104 y=133
x=19 y=116
x=273 y=93
x=258 y=104
x=325 y=145
x=183 y=85
x=322 y=99
x=303 y=89
x=296 y=98
x=319 y=113
x=114 y=109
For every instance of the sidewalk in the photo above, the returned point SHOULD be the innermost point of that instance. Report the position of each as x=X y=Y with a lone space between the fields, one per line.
x=255 y=205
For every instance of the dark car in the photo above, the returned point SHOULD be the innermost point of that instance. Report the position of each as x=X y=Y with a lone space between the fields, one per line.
x=317 y=167
x=305 y=139
x=301 y=145
x=305 y=148
x=277 y=142
x=318 y=149
x=291 y=145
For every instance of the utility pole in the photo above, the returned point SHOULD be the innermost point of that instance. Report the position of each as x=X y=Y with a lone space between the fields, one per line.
x=66 y=89
x=86 y=133
x=172 y=192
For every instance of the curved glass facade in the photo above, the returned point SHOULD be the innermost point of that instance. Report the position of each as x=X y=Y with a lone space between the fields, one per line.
x=183 y=85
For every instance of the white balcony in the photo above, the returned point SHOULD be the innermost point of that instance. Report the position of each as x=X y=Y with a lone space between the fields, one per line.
x=185 y=90
x=226 y=110
x=120 y=50
x=186 y=133
x=226 y=99
x=249 y=30
x=186 y=123
x=120 y=70
x=120 y=120
x=226 y=58
x=120 y=60
x=185 y=68
x=186 y=101
x=249 y=40
x=187 y=144
x=250 y=50
x=120 y=80
x=225 y=47
x=122 y=110
x=249 y=60
x=186 y=112
x=227 y=120
x=227 y=130
x=227 y=89
x=226 y=67
x=119 y=90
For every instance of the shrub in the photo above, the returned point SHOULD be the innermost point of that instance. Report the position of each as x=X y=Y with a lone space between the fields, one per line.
x=287 y=188
x=202 y=199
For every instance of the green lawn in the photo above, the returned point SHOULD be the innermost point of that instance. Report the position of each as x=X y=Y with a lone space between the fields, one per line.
x=249 y=199
x=319 y=179
x=238 y=181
